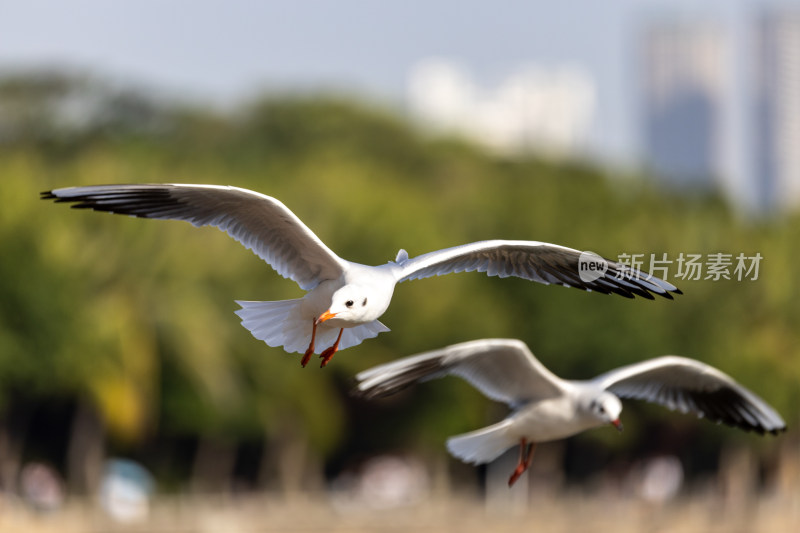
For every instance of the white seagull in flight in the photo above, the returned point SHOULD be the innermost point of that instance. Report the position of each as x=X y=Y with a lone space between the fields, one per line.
x=344 y=299
x=546 y=407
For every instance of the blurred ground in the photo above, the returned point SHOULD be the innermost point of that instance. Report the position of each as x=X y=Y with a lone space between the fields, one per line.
x=266 y=512
x=382 y=499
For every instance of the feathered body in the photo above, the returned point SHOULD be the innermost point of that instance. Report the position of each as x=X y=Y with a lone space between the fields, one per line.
x=546 y=407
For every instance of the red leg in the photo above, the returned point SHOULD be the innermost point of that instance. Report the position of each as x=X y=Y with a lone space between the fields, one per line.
x=310 y=350
x=524 y=460
x=328 y=353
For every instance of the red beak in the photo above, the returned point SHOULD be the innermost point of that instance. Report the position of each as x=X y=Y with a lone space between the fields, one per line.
x=327 y=315
x=617 y=424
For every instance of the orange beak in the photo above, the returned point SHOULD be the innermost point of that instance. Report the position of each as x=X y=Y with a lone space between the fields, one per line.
x=617 y=424
x=327 y=315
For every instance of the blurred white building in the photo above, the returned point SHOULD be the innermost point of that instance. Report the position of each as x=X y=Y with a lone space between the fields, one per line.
x=683 y=75
x=777 y=110
x=690 y=90
x=533 y=109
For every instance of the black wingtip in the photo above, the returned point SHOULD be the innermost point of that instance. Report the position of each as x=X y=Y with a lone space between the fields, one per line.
x=353 y=390
x=760 y=430
x=778 y=431
x=50 y=195
x=667 y=294
x=357 y=393
x=369 y=394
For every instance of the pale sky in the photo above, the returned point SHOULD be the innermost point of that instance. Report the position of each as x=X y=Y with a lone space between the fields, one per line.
x=226 y=50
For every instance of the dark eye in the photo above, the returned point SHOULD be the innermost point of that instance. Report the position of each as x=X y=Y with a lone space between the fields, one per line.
x=349 y=303
x=602 y=410
x=364 y=302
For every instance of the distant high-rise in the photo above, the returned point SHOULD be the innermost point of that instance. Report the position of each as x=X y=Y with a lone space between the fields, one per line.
x=777 y=110
x=683 y=77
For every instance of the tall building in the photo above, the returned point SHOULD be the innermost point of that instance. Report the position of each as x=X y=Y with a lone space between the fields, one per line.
x=777 y=110
x=683 y=75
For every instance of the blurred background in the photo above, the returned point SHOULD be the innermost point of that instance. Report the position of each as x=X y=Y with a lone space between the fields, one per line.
x=130 y=395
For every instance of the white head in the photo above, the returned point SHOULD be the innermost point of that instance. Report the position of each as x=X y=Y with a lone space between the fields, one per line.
x=605 y=408
x=350 y=303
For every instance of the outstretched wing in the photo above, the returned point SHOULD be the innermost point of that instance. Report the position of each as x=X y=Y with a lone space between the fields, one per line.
x=261 y=223
x=502 y=369
x=691 y=386
x=537 y=261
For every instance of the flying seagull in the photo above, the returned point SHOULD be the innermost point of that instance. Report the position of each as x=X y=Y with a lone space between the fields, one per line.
x=546 y=407
x=344 y=299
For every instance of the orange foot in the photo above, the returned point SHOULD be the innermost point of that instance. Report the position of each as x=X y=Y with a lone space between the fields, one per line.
x=524 y=460
x=310 y=351
x=327 y=354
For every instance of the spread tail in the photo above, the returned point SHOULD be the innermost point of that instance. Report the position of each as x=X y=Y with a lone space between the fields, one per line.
x=279 y=323
x=483 y=445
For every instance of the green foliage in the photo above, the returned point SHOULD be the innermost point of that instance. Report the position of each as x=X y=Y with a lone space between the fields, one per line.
x=138 y=316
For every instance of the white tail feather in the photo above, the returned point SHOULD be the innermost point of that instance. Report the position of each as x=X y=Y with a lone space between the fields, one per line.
x=483 y=445
x=280 y=323
x=354 y=336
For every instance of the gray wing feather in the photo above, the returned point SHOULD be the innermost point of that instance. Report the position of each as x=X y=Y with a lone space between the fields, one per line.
x=502 y=369
x=259 y=222
x=534 y=261
x=687 y=385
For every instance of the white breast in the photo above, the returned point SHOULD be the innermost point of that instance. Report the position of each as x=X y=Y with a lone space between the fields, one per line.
x=551 y=419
